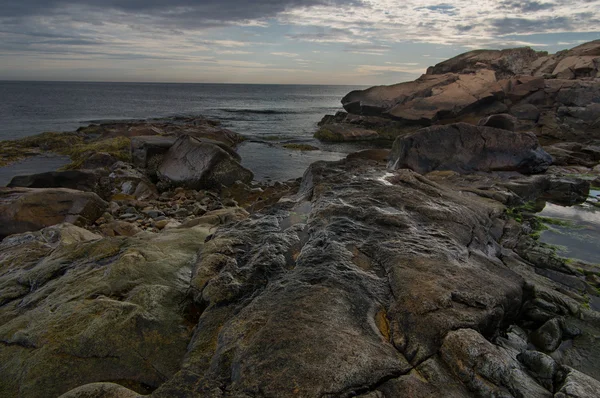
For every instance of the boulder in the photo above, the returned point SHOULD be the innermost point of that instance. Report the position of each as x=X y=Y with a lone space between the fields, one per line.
x=31 y=209
x=82 y=180
x=197 y=164
x=463 y=147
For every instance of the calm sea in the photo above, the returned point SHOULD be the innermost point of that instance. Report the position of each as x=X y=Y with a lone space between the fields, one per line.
x=287 y=112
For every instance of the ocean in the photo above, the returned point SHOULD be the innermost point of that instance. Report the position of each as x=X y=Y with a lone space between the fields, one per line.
x=269 y=115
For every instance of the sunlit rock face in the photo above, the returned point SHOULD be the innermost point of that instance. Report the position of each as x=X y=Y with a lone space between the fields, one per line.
x=555 y=96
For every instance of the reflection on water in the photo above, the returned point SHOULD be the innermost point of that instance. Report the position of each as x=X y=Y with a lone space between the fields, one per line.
x=580 y=238
x=33 y=165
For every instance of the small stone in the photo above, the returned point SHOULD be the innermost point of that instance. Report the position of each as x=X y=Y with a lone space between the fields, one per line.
x=161 y=223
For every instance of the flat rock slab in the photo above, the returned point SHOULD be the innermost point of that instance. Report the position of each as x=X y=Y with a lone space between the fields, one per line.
x=82 y=180
x=463 y=147
x=31 y=209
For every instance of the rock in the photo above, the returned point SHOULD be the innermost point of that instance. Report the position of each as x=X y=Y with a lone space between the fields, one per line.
x=466 y=148
x=89 y=310
x=367 y=281
x=345 y=132
x=574 y=384
x=119 y=228
x=199 y=165
x=82 y=180
x=548 y=337
x=31 y=209
x=160 y=224
x=99 y=160
x=193 y=126
x=542 y=367
x=101 y=390
x=485 y=369
x=502 y=121
x=126 y=180
x=144 y=148
x=505 y=63
x=555 y=96
x=525 y=112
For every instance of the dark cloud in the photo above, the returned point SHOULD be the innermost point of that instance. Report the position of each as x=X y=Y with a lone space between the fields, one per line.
x=526 y=6
x=505 y=26
x=443 y=8
x=182 y=13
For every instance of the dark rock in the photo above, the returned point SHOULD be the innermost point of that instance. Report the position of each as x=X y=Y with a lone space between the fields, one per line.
x=99 y=160
x=549 y=336
x=542 y=366
x=463 y=147
x=378 y=155
x=574 y=384
x=195 y=164
x=31 y=209
x=143 y=148
x=525 y=112
x=82 y=180
x=502 y=121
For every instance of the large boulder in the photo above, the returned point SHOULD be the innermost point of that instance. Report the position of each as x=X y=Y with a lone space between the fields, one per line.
x=463 y=147
x=198 y=164
x=31 y=209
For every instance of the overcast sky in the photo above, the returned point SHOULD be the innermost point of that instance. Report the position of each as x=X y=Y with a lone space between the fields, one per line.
x=272 y=41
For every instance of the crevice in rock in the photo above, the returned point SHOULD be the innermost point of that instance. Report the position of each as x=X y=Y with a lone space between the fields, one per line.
x=353 y=391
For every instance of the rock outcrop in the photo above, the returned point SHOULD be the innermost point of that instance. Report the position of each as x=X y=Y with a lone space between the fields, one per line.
x=199 y=164
x=30 y=209
x=366 y=283
x=555 y=96
x=464 y=147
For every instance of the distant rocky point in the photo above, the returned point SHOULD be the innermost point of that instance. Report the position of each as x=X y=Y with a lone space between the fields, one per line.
x=557 y=96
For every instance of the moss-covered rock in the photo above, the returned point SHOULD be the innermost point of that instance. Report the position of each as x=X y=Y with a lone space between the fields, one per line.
x=76 y=308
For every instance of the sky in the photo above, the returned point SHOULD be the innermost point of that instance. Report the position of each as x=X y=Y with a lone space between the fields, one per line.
x=352 y=42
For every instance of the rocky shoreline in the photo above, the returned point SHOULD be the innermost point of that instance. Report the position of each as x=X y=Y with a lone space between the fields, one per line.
x=156 y=266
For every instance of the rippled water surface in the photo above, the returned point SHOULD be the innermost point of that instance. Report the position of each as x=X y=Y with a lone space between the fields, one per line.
x=580 y=238
x=269 y=113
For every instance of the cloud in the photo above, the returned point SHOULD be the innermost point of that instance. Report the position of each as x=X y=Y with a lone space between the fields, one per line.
x=284 y=54
x=184 y=34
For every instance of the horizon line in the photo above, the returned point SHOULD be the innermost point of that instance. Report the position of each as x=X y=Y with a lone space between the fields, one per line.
x=152 y=82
